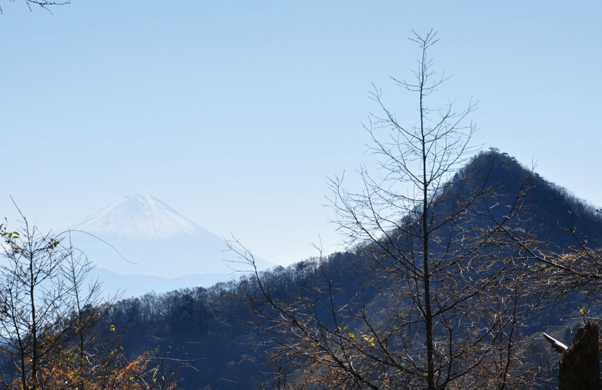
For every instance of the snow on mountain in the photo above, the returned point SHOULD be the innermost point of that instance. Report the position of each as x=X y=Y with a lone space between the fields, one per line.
x=138 y=216
x=140 y=235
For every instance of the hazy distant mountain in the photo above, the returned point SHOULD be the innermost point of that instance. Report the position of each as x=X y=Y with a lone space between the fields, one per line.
x=139 y=216
x=140 y=235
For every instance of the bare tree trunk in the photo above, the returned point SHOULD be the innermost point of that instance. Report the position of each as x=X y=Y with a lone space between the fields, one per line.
x=580 y=364
x=428 y=314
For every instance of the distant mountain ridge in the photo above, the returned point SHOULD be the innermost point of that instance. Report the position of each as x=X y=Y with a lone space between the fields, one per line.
x=127 y=286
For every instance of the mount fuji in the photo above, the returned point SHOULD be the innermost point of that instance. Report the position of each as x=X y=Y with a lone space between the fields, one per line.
x=141 y=244
x=139 y=216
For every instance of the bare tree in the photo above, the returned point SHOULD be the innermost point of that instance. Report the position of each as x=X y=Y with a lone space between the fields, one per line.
x=52 y=322
x=424 y=155
x=438 y=252
x=34 y=299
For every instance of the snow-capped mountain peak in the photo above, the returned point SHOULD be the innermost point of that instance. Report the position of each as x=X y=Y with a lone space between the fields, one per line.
x=138 y=216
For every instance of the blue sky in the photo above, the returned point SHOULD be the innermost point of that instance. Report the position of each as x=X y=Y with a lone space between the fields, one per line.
x=236 y=113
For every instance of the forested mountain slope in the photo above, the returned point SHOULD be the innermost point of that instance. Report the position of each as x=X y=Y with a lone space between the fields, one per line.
x=218 y=336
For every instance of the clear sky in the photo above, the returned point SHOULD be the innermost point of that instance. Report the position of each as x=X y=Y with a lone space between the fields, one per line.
x=236 y=112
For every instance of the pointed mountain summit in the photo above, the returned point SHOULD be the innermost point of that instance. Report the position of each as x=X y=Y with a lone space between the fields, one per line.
x=558 y=213
x=139 y=216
